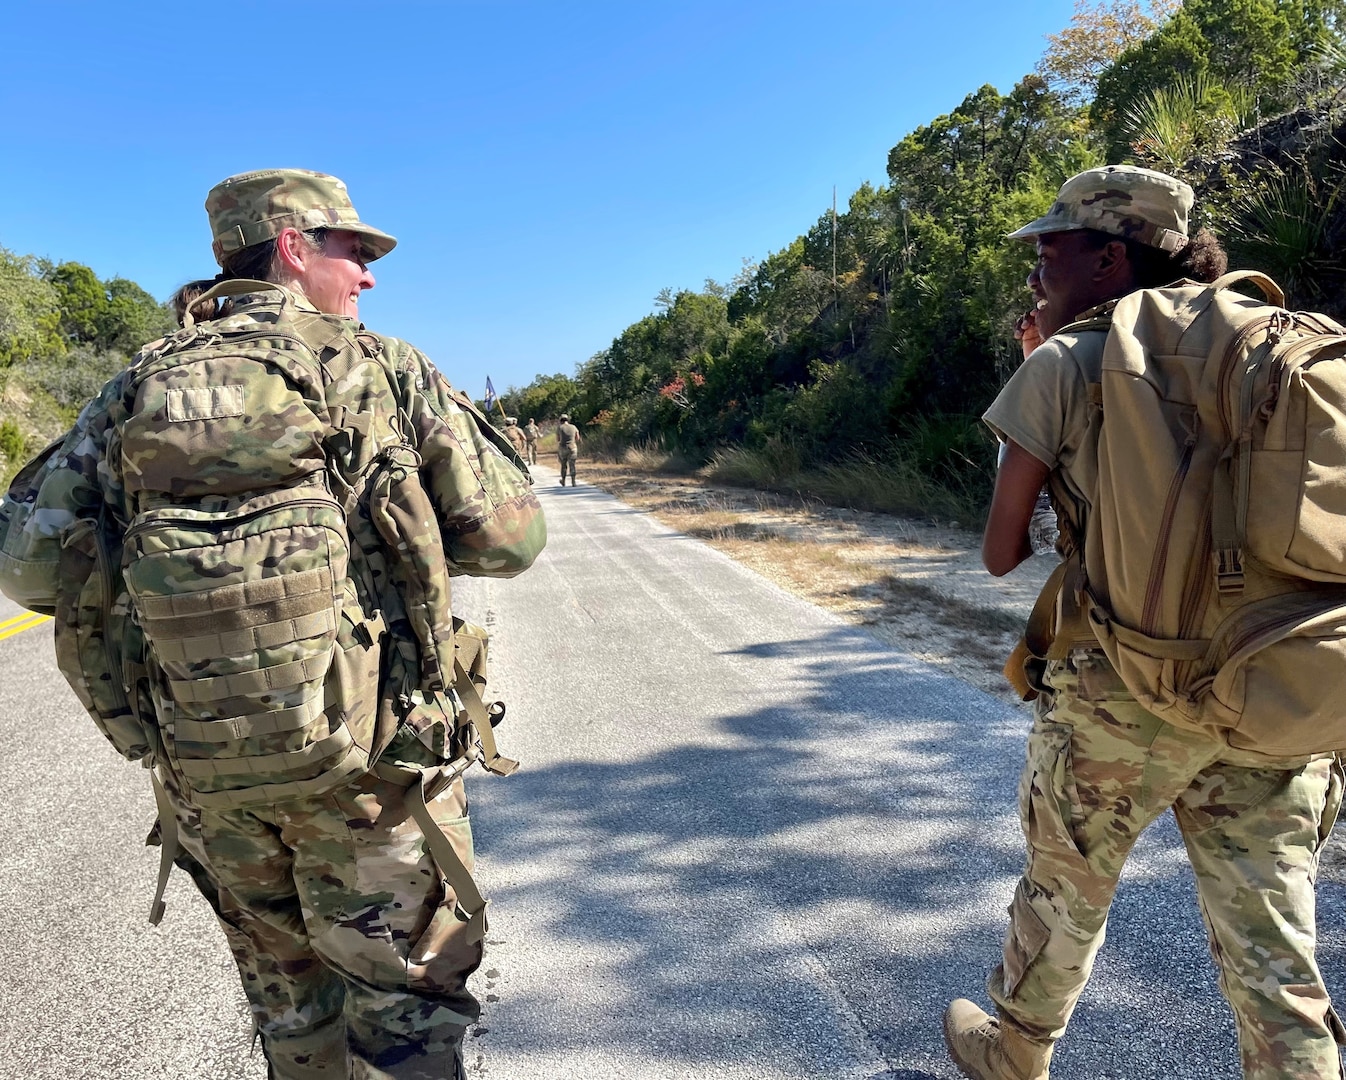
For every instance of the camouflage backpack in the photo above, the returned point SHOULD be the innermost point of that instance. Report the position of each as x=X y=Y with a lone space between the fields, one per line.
x=278 y=527
x=275 y=501
x=1212 y=566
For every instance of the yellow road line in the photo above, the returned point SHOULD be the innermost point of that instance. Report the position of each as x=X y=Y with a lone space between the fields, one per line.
x=20 y=623
x=22 y=616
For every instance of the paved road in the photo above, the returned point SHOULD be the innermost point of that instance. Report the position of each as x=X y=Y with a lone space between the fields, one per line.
x=749 y=841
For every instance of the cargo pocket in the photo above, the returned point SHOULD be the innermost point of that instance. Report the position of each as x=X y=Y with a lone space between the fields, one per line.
x=1025 y=939
x=441 y=957
x=1331 y=804
x=1049 y=804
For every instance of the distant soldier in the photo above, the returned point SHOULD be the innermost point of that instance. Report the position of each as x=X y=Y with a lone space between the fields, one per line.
x=567 y=447
x=531 y=435
x=515 y=434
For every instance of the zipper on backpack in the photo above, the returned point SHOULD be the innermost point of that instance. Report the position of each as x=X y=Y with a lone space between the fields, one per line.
x=1237 y=639
x=1154 y=591
x=168 y=521
x=1227 y=369
x=1195 y=595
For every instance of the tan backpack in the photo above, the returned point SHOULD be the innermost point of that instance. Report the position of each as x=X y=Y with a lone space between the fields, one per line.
x=1212 y=567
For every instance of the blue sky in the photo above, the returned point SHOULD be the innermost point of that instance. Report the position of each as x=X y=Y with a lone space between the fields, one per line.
x=547 y=167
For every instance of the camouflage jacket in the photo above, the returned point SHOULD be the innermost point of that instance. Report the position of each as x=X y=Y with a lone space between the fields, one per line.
x=490 y=522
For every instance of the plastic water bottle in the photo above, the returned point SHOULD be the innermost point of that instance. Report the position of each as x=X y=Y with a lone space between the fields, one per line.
x=1042 y=531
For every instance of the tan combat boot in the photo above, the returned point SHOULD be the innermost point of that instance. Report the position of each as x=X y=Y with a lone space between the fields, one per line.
x=984 y=1049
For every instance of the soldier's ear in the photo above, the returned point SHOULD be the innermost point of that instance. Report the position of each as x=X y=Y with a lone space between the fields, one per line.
x=293 y=252
x=1113 y=262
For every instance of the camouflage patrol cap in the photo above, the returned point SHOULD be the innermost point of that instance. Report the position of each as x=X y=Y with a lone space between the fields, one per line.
x=253 y=207
x=1136 y=204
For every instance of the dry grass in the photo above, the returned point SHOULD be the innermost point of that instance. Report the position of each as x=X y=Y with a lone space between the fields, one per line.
x=915 y=586
x=911 y=584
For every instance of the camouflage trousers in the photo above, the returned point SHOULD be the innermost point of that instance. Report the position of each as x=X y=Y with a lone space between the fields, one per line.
x=351 y=956
x=566 y=456
x=532 y=451
x=1100 y=769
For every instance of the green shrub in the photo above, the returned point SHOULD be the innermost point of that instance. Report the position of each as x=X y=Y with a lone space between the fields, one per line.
x=775 y=465
x=13 y=448
x=75 y=378
x=13 y=442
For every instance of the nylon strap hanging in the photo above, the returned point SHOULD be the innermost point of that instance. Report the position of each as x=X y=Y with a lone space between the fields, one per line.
x=421 y=787
x=168 y=846
x=480 y=718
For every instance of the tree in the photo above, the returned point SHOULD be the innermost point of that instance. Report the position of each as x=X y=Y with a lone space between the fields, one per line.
x=1263 y=46
x=1097 y=35
x=130 y=318
x=29 y=316
x=82 y=300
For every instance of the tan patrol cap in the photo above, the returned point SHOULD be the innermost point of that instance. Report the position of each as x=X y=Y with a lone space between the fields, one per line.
x=253 y=207
x=1136 y=204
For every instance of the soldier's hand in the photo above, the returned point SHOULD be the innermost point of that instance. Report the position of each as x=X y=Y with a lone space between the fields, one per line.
x=1026 y=331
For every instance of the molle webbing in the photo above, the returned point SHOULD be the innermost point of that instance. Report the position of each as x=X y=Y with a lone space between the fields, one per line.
x=246 y=683
x=247 y=594
x=265 y=636
x=281 y=516
x=333 y=747
x=353 y=762
x=245 y=727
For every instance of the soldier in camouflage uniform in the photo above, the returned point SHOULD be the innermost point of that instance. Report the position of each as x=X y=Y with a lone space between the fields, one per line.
x=531 y=434
x=516 y=436
x=349 y=939
x=1100 y=767
x=567 y=447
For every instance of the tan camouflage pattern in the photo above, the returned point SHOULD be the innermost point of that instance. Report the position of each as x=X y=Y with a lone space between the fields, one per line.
x=1100 y=769
x=517 y=439
x=1123 y=200
x=350 y=955
x=567 y=449
x=253 y=207
x=531 y=434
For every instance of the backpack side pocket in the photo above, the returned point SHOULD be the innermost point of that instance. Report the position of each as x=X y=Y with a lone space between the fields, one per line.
x=97 y=643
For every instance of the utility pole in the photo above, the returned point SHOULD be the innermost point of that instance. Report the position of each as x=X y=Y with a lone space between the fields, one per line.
x=834 y=241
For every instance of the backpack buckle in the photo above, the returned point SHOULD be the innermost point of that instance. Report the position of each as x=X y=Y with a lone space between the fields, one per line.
x=1229 y=572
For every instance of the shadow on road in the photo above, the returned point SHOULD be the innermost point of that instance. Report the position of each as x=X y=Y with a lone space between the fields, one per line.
x=871 y=806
